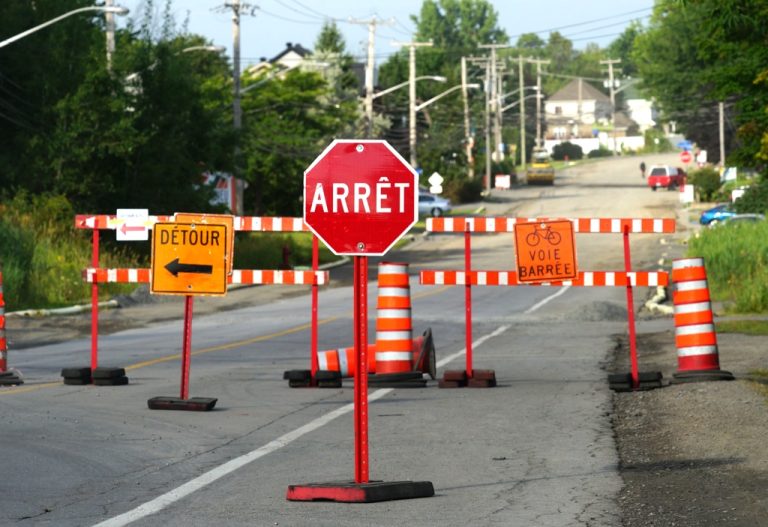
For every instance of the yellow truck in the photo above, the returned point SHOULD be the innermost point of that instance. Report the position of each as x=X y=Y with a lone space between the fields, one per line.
x=540 y=172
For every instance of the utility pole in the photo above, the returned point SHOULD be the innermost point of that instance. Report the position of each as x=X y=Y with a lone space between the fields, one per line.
x=521 y=87
x=369 y=68
x=721 y=108
x=238 y=8
x=110 y=20
x=610 y=63
x=412 y=94
x=484 y=61
x=467 y=131
x=494 y=102
x=538 y=63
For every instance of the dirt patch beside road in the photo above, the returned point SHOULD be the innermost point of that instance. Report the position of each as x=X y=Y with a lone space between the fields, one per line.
x=695 y=454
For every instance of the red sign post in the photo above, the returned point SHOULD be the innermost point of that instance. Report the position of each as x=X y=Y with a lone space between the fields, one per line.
x=360 y=197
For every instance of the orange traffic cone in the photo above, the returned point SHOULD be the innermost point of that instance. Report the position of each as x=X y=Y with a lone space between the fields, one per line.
x=6 y=377
x=343 y=360
x=393 y=320
x=695 y=337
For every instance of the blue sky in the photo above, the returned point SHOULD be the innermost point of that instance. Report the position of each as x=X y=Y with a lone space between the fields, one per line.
x=275 y=22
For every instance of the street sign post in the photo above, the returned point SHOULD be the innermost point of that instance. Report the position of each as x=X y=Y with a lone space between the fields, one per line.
x=188 y=259
x=360 y=198
x=545 y=251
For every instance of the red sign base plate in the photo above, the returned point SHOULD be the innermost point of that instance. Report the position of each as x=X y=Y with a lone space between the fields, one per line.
x=350 y=492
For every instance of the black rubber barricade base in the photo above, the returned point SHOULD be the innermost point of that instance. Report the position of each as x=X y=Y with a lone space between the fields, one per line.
x=194 y=404
x=328 y=379
x=297 y=375
x=77 y=376
x=701 y=376
x=460 y=379
x=108 y=373
x=111 y=381
x=409 y=379
x=622 y=382
x=9 y=378
x=350 y=492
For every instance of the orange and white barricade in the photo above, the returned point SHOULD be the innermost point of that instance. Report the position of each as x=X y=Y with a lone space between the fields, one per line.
x=6 y=377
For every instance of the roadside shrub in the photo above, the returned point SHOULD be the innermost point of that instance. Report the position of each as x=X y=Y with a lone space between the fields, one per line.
x=600 y=152
x=736 y=257
x=755 y=199
x=560 y=151
x=463 y=190
x=707 y=182
x=265 y=250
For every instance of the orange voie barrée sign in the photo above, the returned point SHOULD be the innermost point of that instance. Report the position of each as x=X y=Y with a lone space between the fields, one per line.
x=545 y=251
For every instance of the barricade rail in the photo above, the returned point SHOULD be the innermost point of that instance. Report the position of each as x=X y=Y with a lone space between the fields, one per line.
x=492 y=224
x=509 y=278
x=242 y=223
x=239 y=276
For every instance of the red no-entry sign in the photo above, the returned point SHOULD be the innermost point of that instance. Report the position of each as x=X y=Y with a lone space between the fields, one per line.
x=360 y=197
x=685 y=157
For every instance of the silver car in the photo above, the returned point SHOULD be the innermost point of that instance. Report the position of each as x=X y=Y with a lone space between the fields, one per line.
x=431 y=205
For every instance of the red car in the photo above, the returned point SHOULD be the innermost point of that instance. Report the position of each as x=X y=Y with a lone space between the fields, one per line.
x=666 y=176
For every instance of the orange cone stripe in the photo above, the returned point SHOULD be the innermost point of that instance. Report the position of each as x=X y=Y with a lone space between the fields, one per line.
x=393 y=280
x=688 y=274
x=582 y=225
x=396 y=324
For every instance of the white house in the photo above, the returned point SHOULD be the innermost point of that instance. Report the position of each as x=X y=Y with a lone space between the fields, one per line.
x=575 y=110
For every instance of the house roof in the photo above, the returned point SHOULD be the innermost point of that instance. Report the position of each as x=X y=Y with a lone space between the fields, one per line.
x=291 y=47
x=570 y=92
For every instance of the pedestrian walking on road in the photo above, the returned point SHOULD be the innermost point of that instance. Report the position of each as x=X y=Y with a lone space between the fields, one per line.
x=642 y=169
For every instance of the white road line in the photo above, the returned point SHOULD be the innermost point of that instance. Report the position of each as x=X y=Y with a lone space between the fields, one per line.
x=169 y=498
x=475 y=344
x=161 y=502
x=550 y=297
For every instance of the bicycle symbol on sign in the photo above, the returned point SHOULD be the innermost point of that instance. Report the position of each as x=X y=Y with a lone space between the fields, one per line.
x=544 y=232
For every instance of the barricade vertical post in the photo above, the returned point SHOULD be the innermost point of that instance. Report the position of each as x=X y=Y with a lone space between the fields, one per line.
x=468 y=297
x=631 y=314
x=95 y=303
x=361 y=374
x=313 y=330
x=3 y=342
x=186 y=347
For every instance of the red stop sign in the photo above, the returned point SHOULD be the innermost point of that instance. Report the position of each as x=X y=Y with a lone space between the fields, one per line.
x=685 y=156
x=360 y=197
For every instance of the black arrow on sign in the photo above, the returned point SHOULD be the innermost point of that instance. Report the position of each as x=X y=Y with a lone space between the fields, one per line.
x=174 y=267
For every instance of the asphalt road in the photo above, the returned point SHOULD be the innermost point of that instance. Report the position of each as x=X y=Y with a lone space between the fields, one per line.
x=536 y=450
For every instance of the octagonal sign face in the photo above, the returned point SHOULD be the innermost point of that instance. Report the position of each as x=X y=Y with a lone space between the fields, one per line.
x=360 y=197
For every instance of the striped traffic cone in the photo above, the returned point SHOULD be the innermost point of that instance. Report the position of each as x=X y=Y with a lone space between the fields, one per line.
x=393 y=320
x=6 y=377
x=695 y=337
x=343 y=360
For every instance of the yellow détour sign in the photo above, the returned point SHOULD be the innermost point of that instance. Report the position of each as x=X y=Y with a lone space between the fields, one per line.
x=189 y=259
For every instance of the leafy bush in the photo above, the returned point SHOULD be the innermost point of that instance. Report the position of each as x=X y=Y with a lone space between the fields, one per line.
x=736 y=257
x=600 y=152
x=267 y=251
x=707 y=182
x=755 y=199
x=572 y=151
x=42 y=256
x=463 y=190
x=656 y=141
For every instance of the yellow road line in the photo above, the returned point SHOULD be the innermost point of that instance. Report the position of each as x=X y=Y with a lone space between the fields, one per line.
x=231 y=345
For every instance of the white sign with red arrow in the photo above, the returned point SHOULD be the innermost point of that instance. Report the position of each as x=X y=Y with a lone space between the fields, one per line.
x=132 y=225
